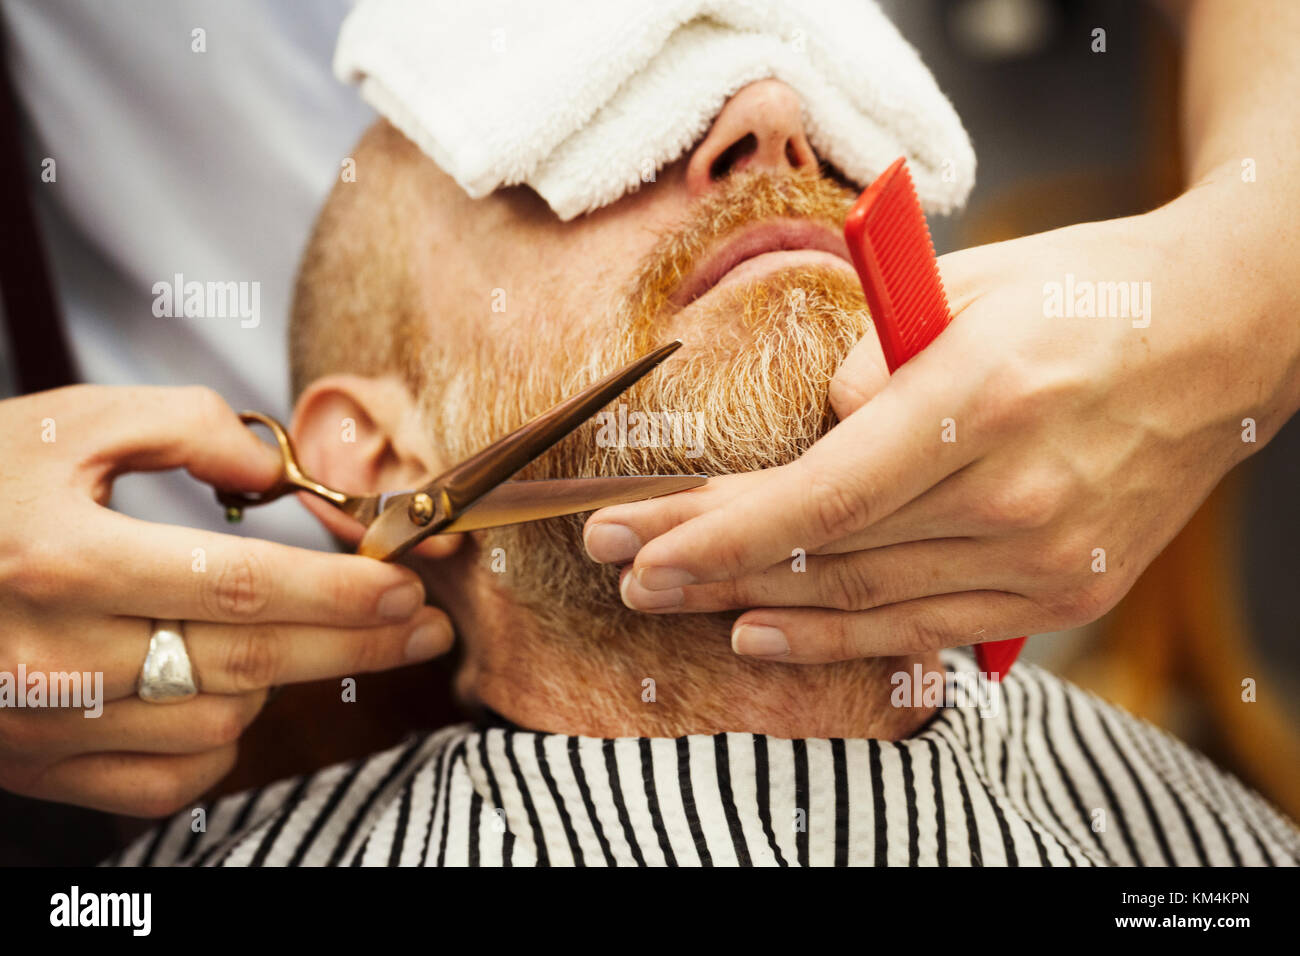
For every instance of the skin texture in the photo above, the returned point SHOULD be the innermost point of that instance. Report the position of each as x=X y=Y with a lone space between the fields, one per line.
x=1073 y=434
x=79 y=583
x=1223 y=343
x=548 y=643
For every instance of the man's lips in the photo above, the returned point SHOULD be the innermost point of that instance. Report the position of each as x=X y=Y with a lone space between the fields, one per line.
x=760 y=249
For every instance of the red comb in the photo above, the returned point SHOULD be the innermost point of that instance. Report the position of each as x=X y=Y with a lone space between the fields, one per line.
x=890 y=244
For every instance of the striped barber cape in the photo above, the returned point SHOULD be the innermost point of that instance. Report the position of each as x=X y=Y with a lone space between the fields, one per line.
x=1055 y=778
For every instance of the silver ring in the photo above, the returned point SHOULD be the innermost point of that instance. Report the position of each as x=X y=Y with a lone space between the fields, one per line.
x=166 y=676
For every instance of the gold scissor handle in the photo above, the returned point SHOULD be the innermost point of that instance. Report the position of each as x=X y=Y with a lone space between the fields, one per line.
x=293 y=478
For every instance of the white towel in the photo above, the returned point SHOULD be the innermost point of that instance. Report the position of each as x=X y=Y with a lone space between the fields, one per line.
x=584 y=99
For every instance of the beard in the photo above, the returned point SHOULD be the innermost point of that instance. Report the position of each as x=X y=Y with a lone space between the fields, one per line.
x=747 y=391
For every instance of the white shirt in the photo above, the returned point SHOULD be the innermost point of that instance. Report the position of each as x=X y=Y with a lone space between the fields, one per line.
x=212 y=165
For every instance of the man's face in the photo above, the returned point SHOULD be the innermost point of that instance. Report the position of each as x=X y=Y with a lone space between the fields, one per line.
x=752 y=278
x=746 y=266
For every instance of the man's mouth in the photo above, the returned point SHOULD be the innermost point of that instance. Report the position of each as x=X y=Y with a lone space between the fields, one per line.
x=762 y=249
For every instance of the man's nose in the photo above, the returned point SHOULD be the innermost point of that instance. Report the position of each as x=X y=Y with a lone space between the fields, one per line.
x=760 y=127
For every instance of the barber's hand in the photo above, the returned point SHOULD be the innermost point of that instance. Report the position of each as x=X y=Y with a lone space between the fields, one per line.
x=79 y=585
x=1081 y=444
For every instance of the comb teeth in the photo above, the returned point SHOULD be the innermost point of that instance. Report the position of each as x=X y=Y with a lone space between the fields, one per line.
x=890 y=244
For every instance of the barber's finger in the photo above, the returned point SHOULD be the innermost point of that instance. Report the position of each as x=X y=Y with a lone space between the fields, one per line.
x=866 y=468
x=226 y=657
x=815 y=636
x=860 y=377
x=615 y=534
x=237 y=659
x=152 y=428
x=202 y=723
x=850 y=582
x=138 y=785
x=960 y=506
x=982 y=500
x=168 y=572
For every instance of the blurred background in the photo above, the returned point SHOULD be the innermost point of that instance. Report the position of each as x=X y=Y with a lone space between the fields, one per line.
x=214 y=163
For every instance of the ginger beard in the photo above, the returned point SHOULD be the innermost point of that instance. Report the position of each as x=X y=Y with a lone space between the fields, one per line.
x=748 y=391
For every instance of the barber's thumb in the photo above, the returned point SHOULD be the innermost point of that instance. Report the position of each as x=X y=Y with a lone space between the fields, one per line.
x=860 y=377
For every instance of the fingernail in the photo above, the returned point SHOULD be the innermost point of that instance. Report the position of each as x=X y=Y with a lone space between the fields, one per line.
x=611 y=543
x=401 y=602
x=425 y=642
x=639 y=599
x=754 y=640
x=662 y=579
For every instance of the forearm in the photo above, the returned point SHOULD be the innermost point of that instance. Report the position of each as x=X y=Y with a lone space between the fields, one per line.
x=1241 y=129
x=1241 y=89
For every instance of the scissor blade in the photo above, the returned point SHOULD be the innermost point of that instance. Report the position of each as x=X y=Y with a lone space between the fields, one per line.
x=518 y=501
x=482 y=472
x=396 y=530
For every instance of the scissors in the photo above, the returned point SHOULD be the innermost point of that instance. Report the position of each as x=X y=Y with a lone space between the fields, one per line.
x=477 y=493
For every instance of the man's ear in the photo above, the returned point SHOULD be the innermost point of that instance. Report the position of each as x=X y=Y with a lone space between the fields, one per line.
x=363 y=435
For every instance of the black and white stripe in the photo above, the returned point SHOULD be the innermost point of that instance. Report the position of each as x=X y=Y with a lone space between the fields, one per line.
x=1056 y=778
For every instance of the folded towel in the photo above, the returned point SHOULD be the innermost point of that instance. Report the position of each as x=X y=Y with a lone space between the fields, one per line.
x=584 y=100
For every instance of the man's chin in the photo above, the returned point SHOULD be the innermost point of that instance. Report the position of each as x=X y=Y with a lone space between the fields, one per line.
x=749 y=388
x=749 y=391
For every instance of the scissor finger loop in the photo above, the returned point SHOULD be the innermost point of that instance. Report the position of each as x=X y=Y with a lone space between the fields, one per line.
x=477 y=493
x=292 y=478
